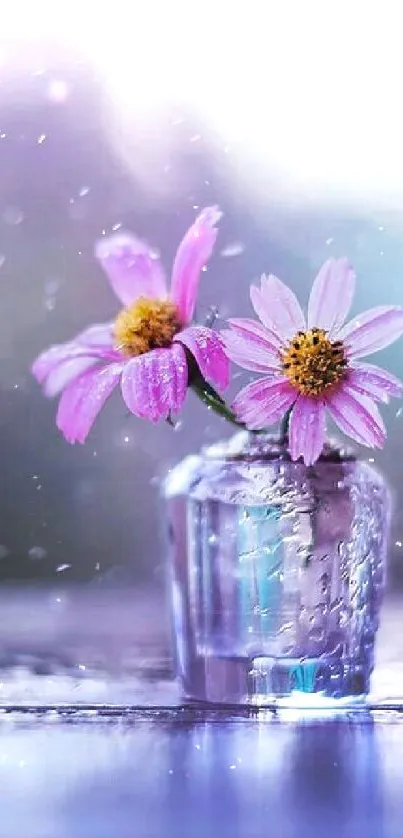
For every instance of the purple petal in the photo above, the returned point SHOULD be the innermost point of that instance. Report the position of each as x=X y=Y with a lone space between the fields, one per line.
x=82 y=401
x=307 y=429
x=58 y=366
x=64 y=374
x=99 y=336
x=133 y=269
x=254 y=331
x=193 y=253
x=278 y=308
x=264 y=402
x=154 y=384
x=248 y=354
x=374 y=382
x=331 y=295
x=373 y=330
x=357 y=416
x=207 y=349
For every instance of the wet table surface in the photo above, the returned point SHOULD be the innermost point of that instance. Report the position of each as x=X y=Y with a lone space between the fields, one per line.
x=83 y=753
x=194 y=773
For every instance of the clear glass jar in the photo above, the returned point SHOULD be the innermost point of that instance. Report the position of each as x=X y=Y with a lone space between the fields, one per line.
x=277 y=572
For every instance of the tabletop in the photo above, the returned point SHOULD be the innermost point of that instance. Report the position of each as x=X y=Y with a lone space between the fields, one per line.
x=96 y=739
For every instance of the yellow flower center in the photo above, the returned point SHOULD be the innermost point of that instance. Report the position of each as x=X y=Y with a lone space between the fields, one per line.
x=147 y=324
x=313 y=363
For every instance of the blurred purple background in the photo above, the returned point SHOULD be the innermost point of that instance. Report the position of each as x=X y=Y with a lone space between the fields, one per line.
x=71 y=171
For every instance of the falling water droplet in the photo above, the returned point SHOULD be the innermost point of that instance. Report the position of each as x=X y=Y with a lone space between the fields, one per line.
x=233 y=249
x=37 y=554
x=13 y=216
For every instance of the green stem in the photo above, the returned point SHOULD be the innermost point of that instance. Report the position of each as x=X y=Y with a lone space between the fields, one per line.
x=284 y=426
x=213 y=400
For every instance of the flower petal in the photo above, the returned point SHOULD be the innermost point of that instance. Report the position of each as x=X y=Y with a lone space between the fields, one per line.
x=372 y=330
x=331 y=295
x=58 y=366
x=374 y=382
x=307 y=429
x=208 y=351
x=99 y=335
x=192 y=254
x=132 y=268
x=252 y=330
x=357 y=416
x=81 y=402
x=264 y=402
x=154 y=384
x=65 y=373
x=249 y=354
x=278 y=308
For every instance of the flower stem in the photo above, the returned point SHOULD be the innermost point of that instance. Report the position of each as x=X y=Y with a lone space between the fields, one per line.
x=206 y=393
x=284 y=426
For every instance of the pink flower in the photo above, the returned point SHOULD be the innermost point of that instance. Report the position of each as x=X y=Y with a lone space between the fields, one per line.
x=312 y=366
x=145 y=348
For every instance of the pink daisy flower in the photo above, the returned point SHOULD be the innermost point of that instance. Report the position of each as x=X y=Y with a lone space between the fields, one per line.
x=145 y=348
x=313 y=365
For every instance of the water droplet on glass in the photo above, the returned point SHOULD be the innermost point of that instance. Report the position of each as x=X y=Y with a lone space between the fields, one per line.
x=329 y=241
x=4 y=551
x=117 y=226
x=41 y=139
x=37 y=554
x=2 y=260
x=62 y=567
x=12 y=216
x=84 y=191
x=398 y=543
x=195 y=138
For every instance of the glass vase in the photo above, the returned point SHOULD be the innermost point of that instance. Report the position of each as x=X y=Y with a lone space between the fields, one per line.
x=276 y=573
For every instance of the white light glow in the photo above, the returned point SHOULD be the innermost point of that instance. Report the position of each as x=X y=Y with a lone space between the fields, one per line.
x=305 y=97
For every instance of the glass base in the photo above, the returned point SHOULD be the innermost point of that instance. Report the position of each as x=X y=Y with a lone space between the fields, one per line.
x=309 y=682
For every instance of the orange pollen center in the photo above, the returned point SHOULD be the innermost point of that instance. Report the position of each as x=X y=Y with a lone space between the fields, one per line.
x=147 y=324
x=313 y=363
